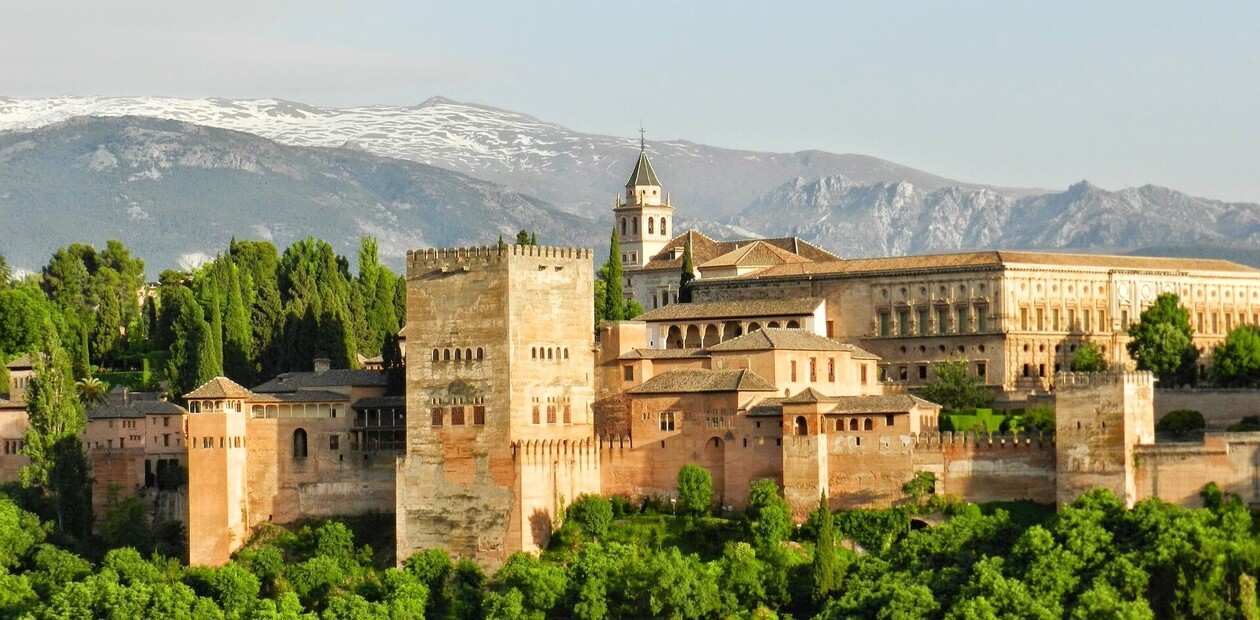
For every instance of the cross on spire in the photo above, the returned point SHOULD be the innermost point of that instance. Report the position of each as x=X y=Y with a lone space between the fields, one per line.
x=642 y=141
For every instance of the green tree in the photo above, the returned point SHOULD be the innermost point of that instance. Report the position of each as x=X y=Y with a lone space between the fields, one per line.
x=1088 y=357
x=593 y=513
x=126 y=523
x=953 y=387
x=614 y=298
x=6 y=273
x=695 y=490
x=522 y=237
x=921 y=485
x=92 y=391
x=1161 y=341
x=1236 y=362
x=828 y=571
x=769 y=516
x=189 y=362
x=688 y=274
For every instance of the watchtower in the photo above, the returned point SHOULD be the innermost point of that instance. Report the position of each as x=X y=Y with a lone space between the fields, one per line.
x=1099 y=419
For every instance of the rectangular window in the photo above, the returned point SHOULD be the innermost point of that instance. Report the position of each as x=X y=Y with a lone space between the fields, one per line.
x=1102 y=321
x=1124 y=319
x=903 y=322
x=982 y=318
x=903 y=372
x=942 y=321
x=831 y=329
x=568 y=414
x=980 y=370
x=960 y=320
x=667 y=421
x=884 y=330
x=627 y=372
x=813 y=369
x=831 y=369
x=1041 y=319
x=166 y=439
x=888 y=419
x=1087 y=323
x=479 y=415
x=436 y=416
x=793 y=370
x=1054 y=319
x=551 y=414
x=457 y=416
x=334 y=442
x=863 y=369
x=1071 y=318
x=166 y=421
x=1215 y=326
x=922 y=372
x=1023 y=319
x=923 y=321
x=535 y=417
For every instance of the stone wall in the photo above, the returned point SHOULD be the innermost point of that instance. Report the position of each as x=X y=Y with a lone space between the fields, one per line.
x=1100 y=419
x=1176 y=472
x=217 y=507
x=1220 y=407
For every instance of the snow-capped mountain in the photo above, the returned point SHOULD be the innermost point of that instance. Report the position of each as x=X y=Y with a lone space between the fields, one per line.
x=575 y=171
x=887 y=219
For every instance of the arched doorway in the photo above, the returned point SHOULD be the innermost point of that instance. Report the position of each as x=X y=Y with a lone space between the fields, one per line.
x=674 y=339
x=693 y=338
x=730 y=330
x=802 y=426
x=710 y=335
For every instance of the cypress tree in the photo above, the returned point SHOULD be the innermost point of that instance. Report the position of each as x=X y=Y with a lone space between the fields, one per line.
x=614 y=298
x=52 y=405
x=688 y=274
x=533 y=238
x=827 y=570
x=237 y=336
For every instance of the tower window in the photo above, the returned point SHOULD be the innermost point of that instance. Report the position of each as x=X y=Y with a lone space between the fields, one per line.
x=663 y=226
x=299 y=443
x=666 y=419
x=651 y=226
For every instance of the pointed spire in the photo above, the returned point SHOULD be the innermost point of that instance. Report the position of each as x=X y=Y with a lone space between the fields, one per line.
x=643 y=173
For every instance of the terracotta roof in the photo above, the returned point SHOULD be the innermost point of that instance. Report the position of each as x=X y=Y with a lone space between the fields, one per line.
x=219 y=387
x=643 y=173
x=658 y=354
x=291 y=381
x=767 y=407
x=135 y=409
x=790 y=339
x=998 y=259
x=885 y=403
x=704 y=249
x=808 y=395
x=691 y=381
x=20 y=363
x=303 y=396
x=757 y=253
x=800 y=306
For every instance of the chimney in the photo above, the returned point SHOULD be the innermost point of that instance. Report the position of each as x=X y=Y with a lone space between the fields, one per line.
x=322 y=364
x=126 y=395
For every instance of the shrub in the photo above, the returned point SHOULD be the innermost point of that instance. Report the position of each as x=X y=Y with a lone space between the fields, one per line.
x=593 y=514
x=1181 y=421
x=1249 y=424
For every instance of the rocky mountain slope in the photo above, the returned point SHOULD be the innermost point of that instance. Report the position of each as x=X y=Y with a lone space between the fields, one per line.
x=853 y=219
x=575 y=171
x=176 y=192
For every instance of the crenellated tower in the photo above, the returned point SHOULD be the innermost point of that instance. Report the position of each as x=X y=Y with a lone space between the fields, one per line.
x=644 y=216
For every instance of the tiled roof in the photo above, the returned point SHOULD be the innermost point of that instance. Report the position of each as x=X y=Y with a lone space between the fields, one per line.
x=20 y=363
x=997 y=259
x=767 y=407
x=302 y=396
x=757 y=253
x=800 y=306
x=643 y=173
x=291 y=381
x=886 y=403
x=659 y=354
x=219 y=387
x=791 y=339
x=383 y=402
x=691 y=381
x=704 y=249
x=135 y=409
x=808 y=395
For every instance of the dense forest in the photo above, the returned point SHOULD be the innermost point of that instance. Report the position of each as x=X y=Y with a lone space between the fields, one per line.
x=249 y=314
x=610 y=559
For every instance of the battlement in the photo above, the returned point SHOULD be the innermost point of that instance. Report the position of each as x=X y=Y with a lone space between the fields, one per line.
x=1084 y=380
x=437 y=257
x=981 y=441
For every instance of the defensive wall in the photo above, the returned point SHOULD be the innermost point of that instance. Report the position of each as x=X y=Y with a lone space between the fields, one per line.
x=1220 y=407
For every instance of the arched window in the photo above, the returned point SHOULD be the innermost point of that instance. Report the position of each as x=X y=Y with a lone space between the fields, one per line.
x=663 y=226
x=623 y=226
x=533 y=353
x=549 y=353
x=651 y=226
x=853 y=424
x=480 y=354
x=802 y=427
x=793 y=325
x=772 y=325
x=468 y=355
x=566 y=353
x=435 y=355
x=457 y=354
x=299 y=443
x=634 y=225
x=446 y=355
x=868 y=425
x=839 y=425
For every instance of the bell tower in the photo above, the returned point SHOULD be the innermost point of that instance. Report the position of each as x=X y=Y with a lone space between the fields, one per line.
x=644 y=216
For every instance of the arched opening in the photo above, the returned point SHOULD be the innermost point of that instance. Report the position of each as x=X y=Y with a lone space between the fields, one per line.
x=566 y=353
x=839 y=425
x=457 y=355
x=663 y=226
x=793 y=325
x=634 y=226
x=446 y=355
x=772 y=325
x=868 y=425
x=730 y=330
x=533 y=353
x=752 y=327
x=651 y=226
x=299 y=443
x=853 y=424
x=468 y=355
x=674 y=338
x=435 y=355
x=549 y=353
x=481 y=354
x=802 y=426
x=693 y=338
x=623 y=226
x=710 y=335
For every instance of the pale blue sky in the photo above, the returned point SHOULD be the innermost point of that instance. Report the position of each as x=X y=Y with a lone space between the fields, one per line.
x=1038 y=94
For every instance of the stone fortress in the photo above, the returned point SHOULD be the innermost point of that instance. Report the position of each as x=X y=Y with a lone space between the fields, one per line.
x=789 y=363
